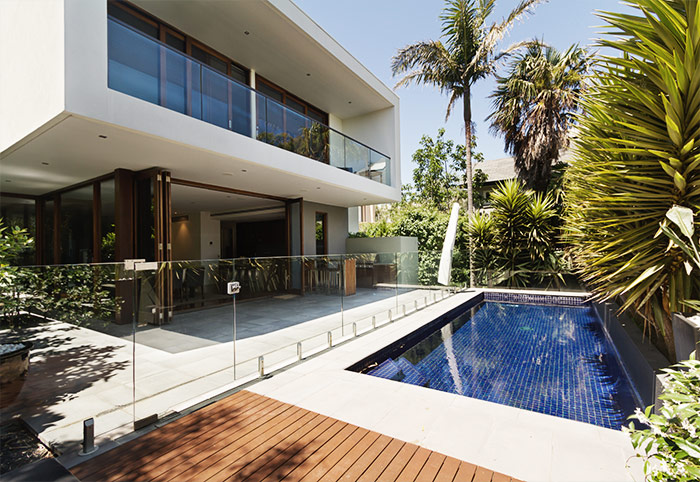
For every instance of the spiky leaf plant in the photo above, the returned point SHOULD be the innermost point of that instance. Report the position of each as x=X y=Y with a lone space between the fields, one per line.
x=637 y=154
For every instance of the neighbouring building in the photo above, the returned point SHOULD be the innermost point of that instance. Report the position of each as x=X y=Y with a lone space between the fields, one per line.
x=173 y=130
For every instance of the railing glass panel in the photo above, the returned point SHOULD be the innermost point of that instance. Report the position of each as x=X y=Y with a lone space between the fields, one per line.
x=152 y=71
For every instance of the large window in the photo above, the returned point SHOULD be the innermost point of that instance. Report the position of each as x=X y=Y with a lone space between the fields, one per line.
x=76 y=225
x=20 y=212
x=107 y=228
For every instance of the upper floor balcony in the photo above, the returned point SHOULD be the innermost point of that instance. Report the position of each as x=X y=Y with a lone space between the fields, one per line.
x=153 y=71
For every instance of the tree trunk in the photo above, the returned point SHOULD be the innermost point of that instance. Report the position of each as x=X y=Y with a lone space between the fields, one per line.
x=470 y=176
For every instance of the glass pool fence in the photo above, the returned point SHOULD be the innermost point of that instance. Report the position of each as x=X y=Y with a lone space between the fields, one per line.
x=123 y=343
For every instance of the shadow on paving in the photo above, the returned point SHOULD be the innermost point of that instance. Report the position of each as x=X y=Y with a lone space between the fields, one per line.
x=58 y=371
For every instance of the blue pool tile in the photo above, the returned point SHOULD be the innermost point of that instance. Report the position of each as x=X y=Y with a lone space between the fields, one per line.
x=410 y=373
x=387 y=369
x=551 y=359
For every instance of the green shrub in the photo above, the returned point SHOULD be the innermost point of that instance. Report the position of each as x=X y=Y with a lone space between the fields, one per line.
x=670 y=447
x=516 y=242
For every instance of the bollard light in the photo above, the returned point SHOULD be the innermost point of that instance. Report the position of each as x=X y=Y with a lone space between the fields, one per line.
x=88 y=437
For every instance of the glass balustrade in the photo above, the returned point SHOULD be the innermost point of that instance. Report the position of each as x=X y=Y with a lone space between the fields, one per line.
x=145 y=68
x=121 y=343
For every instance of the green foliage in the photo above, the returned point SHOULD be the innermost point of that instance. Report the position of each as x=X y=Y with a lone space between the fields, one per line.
x=70 y=293
x=13 y=242
x=534 y=106
x=684 y=220
x=428 y=223
x=669 y=447
x=438 y=178
x=516 y=242
x=637 y=154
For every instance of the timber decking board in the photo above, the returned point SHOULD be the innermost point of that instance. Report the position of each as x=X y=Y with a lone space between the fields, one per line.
x=251 y=437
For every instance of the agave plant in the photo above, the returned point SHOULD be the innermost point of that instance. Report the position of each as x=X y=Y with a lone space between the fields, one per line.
x=636 y=155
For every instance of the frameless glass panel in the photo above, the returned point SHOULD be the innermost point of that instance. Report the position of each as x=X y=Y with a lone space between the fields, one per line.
x=297 y=135
x=21 y=213
x=336 y=146
x=379 y=167
x=275 y=132
x=215 y=98
x=76 y=225
x=318 y=142
x=107 y=231
x=240 y=108
x=356 y=157
x=261 y=118
x=133 y=63
x=48 y=230
x=177 y=68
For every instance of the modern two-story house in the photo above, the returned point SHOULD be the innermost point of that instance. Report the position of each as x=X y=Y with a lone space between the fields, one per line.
x=186 y=129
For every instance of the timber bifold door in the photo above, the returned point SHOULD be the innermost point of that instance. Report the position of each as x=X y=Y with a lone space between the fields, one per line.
x=295 y=233
x=153 y=243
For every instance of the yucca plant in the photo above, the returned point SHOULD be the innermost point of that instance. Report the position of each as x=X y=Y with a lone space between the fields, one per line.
x=637 y=154
x=516 y=241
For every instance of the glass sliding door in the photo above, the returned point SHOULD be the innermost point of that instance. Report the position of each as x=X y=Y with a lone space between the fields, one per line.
x=76 y=228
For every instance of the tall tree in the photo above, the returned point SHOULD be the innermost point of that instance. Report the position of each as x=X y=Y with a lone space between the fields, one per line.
x=468 y=53
x=534 y=107
x=438 y=178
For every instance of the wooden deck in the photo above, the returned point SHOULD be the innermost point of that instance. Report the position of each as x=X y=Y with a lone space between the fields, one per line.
x=251 y=437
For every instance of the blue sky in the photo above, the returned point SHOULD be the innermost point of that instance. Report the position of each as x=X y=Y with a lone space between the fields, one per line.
x=373 y=30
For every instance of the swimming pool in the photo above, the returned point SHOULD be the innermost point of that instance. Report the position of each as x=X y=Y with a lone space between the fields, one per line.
x=545 y=358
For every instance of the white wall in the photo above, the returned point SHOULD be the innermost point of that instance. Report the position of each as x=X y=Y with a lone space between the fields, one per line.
x=197 y=238
x=186 y=239
x=337 y=230
x=86 y=57
x=31 y=66
x=210 y=235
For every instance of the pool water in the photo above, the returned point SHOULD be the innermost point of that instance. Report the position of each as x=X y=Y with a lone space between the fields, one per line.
x=548 y=359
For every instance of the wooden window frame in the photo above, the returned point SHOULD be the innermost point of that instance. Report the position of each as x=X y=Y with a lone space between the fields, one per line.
x=285 y=93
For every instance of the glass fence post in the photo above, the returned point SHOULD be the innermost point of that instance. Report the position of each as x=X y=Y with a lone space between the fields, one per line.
x=341 y=288
x=396 y=279
x=134 y=321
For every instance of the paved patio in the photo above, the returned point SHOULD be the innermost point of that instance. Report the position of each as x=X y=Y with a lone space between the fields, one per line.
x=81 y=372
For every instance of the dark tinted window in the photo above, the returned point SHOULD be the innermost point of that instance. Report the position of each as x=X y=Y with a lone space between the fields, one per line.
x=209 y=59
x=132 y=20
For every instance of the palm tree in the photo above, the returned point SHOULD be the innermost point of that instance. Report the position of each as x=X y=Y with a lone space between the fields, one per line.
x=637 y=153
x=534 y=106
x=467 y=55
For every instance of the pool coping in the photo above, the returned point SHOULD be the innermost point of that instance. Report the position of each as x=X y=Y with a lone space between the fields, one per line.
x=524 y=444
